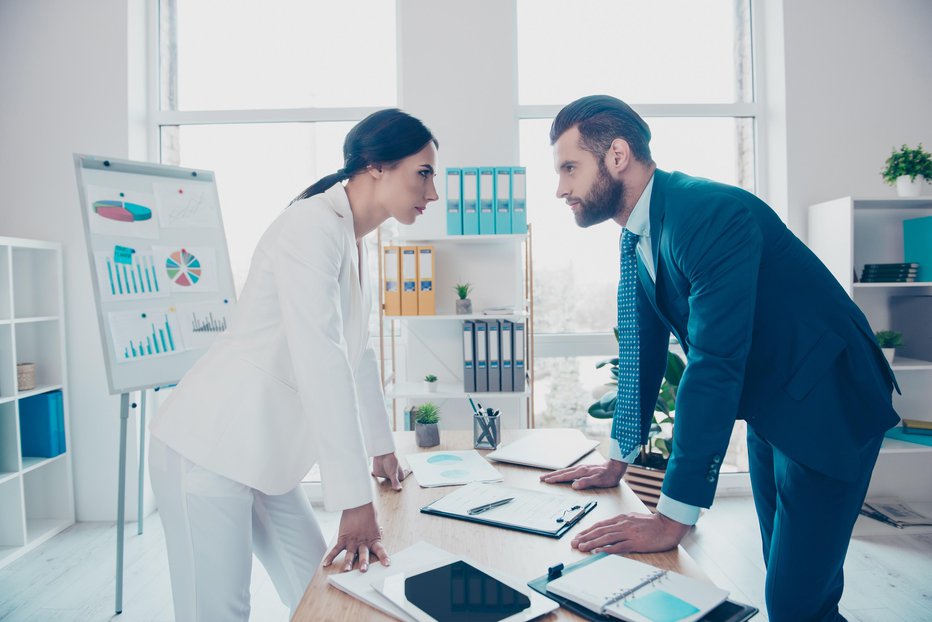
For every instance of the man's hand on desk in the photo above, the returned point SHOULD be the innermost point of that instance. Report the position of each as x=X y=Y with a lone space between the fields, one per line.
x=631 y=533
x=359 y=535
x=589 y=475
x=387 y=466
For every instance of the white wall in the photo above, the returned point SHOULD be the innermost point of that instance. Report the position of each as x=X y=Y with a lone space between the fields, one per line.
x=858 y=81
x=64 y=79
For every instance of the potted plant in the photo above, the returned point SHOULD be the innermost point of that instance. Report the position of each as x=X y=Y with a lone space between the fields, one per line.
x=463 y=304
x=645 y=475
x=431 y=381
x=426 y=433
x=908 y=169
x=889 y=340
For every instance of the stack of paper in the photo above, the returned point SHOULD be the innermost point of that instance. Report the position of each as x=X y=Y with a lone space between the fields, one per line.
x=451 y=468
x=546 y=449
x=894 y=512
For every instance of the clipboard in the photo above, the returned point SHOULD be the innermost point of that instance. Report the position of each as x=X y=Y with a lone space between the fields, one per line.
x=728 y=611
x=564 y=510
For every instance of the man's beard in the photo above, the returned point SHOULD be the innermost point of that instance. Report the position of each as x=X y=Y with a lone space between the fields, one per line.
x=602 y=202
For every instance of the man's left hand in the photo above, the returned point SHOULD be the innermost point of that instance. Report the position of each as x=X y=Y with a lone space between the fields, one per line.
x=387 y=466
x=631 y=533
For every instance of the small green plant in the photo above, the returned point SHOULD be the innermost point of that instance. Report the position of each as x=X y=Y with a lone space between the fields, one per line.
x=889 y=338
x=427 y=413
x=430 y=378
x=462 y=290
x=906 y=161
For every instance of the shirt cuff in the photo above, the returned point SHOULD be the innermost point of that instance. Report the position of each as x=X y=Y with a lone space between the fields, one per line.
x=614 y=452
x=677 y=510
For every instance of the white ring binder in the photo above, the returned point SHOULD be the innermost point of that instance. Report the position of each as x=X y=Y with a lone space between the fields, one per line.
x=625 y=593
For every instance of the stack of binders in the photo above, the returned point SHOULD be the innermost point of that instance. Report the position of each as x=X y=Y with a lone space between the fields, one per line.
x=486 y=200
x=42 y=425
x=889 y=272
x=493 y=356
x=408 y=282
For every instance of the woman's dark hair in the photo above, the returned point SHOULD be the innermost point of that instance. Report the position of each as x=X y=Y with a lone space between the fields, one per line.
x=602 y=119
x=381 y=139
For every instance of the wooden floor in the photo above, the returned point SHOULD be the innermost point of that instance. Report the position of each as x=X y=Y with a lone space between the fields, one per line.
x=70 y=578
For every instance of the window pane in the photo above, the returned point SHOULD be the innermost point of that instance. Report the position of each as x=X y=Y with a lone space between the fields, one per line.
x=576 y=270
x=663 y=51
x=241 y=54
x=259 y=167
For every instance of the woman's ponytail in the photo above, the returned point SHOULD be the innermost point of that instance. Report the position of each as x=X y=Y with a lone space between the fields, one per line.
x=321 y=185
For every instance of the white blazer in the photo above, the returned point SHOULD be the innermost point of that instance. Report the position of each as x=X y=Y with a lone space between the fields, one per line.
x=293 y=381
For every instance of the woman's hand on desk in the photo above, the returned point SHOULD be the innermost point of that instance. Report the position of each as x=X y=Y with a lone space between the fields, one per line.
x=589 y=475
x=360 y=534
x=388 y=467
x=631 y=533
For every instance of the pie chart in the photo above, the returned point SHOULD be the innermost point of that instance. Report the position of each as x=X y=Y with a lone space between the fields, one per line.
x=183 y=268
x=122 y=211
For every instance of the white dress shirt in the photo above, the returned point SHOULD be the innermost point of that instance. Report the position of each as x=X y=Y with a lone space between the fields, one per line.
x=639 y=224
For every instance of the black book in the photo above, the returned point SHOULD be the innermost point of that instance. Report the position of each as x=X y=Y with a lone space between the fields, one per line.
x=888 y=279
x=891 y=265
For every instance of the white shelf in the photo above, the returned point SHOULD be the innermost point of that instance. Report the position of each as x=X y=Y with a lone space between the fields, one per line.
x=33 y=320
x=38 y=390
x=901 y=363
x=470 y=316
x=460 y=239
x=39 y=530
x=895 y=446
x=4 y=400
x=878 y=285
x=4 y=322
x=892 y=203
x=31 y=463
x=446 y=392
x=5 y=476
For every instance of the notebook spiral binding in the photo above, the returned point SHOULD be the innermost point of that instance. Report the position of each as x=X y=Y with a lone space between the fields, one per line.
x=625 y=593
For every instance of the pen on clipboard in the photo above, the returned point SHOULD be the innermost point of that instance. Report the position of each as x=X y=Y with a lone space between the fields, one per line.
x=488 y=506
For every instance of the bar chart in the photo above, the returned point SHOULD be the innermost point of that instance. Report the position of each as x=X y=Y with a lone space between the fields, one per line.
x=204 y=322
x=142 y=335
x=129 y=276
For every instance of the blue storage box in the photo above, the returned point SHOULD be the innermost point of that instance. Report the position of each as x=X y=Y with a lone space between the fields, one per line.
x=42 y=425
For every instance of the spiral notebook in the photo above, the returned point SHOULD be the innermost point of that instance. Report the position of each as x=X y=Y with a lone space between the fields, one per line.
x=637 y=592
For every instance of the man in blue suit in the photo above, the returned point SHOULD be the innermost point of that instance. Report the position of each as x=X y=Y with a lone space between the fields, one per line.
x=770 y=337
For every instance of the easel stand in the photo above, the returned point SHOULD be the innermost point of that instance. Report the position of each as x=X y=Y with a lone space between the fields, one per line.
x=125 y=405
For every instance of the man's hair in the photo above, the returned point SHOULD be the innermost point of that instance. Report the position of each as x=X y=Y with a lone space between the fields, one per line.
x=601 y=119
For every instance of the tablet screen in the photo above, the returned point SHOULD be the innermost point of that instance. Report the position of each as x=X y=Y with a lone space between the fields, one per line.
x=459 y=592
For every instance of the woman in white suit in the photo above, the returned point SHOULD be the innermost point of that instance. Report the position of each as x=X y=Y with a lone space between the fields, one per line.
x=292 y=382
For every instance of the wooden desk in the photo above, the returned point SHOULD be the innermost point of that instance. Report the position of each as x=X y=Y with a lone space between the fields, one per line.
x=524 y=556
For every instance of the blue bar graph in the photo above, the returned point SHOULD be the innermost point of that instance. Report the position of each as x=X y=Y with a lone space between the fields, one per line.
x=158 y=341
x=137 y=279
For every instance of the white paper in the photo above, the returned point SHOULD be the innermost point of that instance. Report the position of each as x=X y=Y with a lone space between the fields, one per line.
x=144 y=334
x=528 y=509
x=201 y=323
x=547 y=449
x=136 y=280
x=144 y=227
x=187 y=269
x=451 y=468
x=187 y=204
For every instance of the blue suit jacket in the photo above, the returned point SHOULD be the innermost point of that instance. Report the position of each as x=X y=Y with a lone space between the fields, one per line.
x=770 y=337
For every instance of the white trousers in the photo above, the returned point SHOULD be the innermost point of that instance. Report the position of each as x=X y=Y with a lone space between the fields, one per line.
x=213 y=526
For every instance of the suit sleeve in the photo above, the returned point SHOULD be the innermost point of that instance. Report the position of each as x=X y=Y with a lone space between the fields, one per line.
x=376 y=428
x=307 y=262
x=718 y=249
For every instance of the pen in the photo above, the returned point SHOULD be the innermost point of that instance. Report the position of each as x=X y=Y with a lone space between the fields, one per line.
x=489 y=506
x=471 y=403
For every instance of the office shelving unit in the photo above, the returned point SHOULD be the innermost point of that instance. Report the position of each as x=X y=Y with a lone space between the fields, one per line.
x=846 y=233
x=36 y=494
x=499 y=268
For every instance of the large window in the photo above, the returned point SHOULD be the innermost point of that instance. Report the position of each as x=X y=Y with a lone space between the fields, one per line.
x=686 y=67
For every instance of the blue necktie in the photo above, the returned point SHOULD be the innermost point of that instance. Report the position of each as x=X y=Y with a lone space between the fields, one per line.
x=626 y=424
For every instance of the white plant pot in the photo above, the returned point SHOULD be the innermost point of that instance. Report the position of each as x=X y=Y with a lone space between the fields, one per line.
x=431 y=387
x=909 y=188
x=889 y=353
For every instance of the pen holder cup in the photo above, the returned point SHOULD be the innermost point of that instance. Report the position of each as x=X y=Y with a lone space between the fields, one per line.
x=486 y=431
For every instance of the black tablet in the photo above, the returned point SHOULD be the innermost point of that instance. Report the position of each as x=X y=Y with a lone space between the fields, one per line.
x=459 y=592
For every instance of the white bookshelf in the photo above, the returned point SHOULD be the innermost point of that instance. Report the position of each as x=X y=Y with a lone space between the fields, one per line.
x=846 y=233
x=36 y=493
x=499 y=269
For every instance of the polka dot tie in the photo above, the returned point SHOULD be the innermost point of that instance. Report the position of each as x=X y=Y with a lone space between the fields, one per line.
x=626 y=424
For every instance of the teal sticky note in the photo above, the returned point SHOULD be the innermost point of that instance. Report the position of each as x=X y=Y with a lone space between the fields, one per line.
x=122 y=254
x=661 y=606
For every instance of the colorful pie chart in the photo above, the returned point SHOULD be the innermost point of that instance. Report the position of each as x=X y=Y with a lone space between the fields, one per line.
x=122 y=211
x=183 y=268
